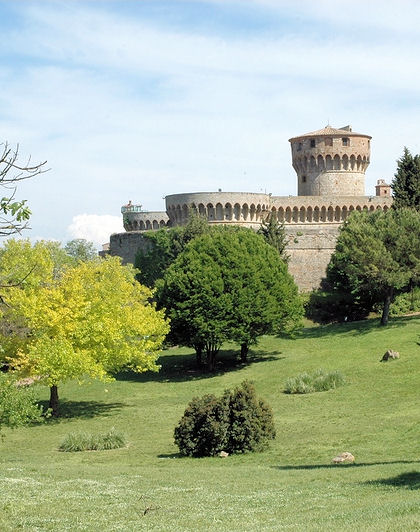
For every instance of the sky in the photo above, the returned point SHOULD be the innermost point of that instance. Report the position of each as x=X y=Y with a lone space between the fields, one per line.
x=135 y=100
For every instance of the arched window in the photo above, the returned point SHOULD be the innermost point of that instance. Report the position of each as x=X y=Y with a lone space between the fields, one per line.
x=245 y=211
x=219 y=211
x=288 y=215
x=328 y=162
x=345 y=161
x=228 y=211
x=337 y=162
x=210 y=211
x=309 y=214
x=280 y=214
x=316 y=215
x=302 y=214
x=252 y=212
x=337 y=216
x=237 y=211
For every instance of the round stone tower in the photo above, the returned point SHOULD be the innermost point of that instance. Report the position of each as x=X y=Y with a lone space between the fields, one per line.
x=331 y=162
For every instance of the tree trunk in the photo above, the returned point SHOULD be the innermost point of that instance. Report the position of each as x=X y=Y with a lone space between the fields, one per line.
x=387 y=304
x=244 y=352
x=199 y=354
x=54 y=400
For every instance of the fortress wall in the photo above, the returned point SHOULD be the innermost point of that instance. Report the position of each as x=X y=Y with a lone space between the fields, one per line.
x=144 y=220
x=310 y=248
x=126 y=245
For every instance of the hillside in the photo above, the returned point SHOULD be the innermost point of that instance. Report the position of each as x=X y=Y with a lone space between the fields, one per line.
x=292 y=486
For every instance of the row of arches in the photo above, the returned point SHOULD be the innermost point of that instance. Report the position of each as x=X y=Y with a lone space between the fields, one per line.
x=319 y=214
x=178 y=214
x=321 y=163
x=144 y=225
x=219 y=212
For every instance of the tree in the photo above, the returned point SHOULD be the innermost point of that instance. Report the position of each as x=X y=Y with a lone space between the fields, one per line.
x=167 y=244
x=81 y=249
x=406 y=182
x=14 y=214
x=377 y=254
x=228 y=284
x=274 y=234
x=91 y=321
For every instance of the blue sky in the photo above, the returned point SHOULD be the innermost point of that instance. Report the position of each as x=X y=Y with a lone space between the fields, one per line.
x=140 y=99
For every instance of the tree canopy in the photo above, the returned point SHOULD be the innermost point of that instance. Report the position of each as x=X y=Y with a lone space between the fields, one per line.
x=377 y=255
x=81 y=250
x=406 y=182
x=91 y=320
x=167 y=244
x=228 y=284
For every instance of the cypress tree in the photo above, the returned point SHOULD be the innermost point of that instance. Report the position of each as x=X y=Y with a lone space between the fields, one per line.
x=406 y=182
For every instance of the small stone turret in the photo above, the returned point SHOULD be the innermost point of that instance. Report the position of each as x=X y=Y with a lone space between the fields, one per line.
x=331 y=162
x=383 y=189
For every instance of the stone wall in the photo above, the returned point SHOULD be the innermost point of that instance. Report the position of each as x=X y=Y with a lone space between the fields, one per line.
x=126 y=245
x=310 y=249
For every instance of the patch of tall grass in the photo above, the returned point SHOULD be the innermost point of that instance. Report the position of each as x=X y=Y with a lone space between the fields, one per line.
x=84 y=441
x=319 y=381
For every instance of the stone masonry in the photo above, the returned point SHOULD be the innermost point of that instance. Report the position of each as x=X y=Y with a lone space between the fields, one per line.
x=330 y=165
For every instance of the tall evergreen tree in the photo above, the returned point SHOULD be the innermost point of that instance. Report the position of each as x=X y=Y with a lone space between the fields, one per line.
x=274 y=234
x=406 y=182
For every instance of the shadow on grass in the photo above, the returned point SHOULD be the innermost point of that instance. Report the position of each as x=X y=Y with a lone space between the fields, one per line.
x=409 y=480
x=181 y=368
x=81 y=409
x=340 y=466
x=354 y=327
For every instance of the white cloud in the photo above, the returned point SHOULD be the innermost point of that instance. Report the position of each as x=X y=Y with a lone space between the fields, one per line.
x=131 y=108
x=95 y=228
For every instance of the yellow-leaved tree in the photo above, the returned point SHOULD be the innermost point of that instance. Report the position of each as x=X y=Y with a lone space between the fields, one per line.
x=89 y=321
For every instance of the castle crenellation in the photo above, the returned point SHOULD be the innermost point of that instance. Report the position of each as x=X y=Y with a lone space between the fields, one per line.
x=330 y=165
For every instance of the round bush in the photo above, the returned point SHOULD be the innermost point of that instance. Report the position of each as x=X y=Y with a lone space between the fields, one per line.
x=237 y=422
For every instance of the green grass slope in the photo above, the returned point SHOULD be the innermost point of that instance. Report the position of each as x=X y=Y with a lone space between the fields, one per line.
x=292 y=486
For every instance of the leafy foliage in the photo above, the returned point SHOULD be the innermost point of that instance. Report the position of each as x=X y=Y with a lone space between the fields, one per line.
x=90 y=321
x=319 y=381
x=251 y=423
x=228 y=284
x=81 y=250
x=167 y=244
x=377 y=255
x=406 y=182
x=237 y=422
x=83 y=441
x=17 y=404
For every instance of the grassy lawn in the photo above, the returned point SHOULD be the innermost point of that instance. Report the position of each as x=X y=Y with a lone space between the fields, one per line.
x=292 y=486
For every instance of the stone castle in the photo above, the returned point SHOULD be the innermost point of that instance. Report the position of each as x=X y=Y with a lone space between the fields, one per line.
x=330 y=165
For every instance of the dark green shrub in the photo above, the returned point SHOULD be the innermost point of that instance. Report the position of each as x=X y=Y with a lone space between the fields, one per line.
x=83 y=441
x=236 y=422
x=320 y=381
x=251 y=422
x=203 y=429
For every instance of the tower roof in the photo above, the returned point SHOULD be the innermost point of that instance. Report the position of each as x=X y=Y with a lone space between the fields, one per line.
x=331 y=132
